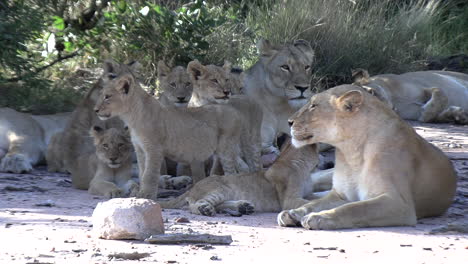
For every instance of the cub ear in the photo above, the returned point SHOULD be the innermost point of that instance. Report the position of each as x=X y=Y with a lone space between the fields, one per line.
x=125 y=83
x=304 y=46
x=134 y=66
x=227 y=66
x=163 y=69
x=360 y=76
x=265 y=49
x=96 y=132
x=195 y=69
x=370 y=90
x=350 y=101
x=110 y=66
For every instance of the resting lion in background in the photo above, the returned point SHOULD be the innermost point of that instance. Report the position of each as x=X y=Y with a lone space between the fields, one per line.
x=426 y=96
x=280 y=83
x=385 y=173
x=24 y=138
x=283 y=186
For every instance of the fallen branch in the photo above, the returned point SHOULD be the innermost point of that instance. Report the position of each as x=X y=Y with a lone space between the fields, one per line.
x=188 y=238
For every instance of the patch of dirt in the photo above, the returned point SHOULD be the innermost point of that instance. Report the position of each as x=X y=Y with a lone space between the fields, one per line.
x=44 y=220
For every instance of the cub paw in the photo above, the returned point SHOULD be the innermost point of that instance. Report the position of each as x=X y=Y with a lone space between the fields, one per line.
x=133 y=189
x=148 y=194
x=16 y=163
x=114 y=193
x=206 y=209
x=165 y=182
x=289 y=218
x=180 y=182
x=246 y=208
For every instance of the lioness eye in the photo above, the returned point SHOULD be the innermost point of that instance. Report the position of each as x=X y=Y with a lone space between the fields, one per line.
x=106 y=97
x=112 y=75
x=214 y=80
x=172 y=84
x=312 y=106
x=307 y=67
x=285 y=67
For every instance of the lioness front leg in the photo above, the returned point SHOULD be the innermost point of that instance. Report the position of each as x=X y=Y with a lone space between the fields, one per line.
x=436 y=104
x=140 y=160
x=293 y=217
x=149 y=180
x=383 y=210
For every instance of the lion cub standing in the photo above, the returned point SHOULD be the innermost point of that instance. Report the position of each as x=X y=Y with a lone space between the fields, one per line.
x=189 y=135
x=210 y=85
x=385 y=173
x=108 y=171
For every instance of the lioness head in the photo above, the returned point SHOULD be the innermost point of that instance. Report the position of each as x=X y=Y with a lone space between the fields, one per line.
x=175 y=83
x=116 y=90
x=361 y=78
x=329 y=116
x=113 y=146
x=210 y=82
x=289 y=70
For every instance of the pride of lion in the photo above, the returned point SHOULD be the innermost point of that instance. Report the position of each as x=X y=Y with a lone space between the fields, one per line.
x=223 y=123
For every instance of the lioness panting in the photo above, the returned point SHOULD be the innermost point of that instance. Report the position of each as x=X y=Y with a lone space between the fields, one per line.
x=385 y=173
x=427 y=96
x=280 y=83
x=189 y=135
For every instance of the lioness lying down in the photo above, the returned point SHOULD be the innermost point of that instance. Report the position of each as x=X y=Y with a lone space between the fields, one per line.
x=385 y=173
x=108 y=171
x=189 y=135
x=427 y=96
x=283 y=186
x=24 y=138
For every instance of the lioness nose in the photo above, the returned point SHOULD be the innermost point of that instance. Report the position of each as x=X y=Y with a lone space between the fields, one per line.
x=301 y=88
x=113 y=159
x=96 y=110
x=181 y=99
x=290 y=122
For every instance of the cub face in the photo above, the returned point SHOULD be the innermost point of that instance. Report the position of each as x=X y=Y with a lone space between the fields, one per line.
x=175 y=84
x=113 y=146
x=326 y=116
x=210 y=82
x=289 y=68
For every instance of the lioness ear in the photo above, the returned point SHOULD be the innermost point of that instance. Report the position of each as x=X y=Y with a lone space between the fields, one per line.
x=110 y=66
x=304 y=46
x=195 y=69
x=350 y=101
x=124 y=84
x=163 y=69
x=265 y=48
x=360 y=76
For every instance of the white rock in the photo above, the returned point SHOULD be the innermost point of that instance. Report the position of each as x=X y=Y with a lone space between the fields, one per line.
x=127 y=218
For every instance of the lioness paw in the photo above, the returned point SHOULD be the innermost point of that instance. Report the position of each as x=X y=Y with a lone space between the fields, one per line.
x=206 y=209
x=318 y=221
x=289 y=218
x=114 y=193
x=15 y=163
x=246 y=208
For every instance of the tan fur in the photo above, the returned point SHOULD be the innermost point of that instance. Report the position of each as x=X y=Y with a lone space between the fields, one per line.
x=24 y=138
x=175 y=84
x=108 y=170
x=210 y=86
x=189 y=135
x=75 y=136
x=427 y=96
x=55 y=150
x=275 y=82
x=283 y=186
x=385 y=173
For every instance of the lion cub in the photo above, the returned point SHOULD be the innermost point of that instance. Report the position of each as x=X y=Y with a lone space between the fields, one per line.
x=189 y=135
x=385 y=173
x=211 y=86
x=283 y=186
x=108 y=171
x=175 y=84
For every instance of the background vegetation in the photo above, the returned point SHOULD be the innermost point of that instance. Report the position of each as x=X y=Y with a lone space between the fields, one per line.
x=46 y=45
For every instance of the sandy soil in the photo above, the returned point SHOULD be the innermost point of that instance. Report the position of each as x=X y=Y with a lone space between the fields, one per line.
x=44 y=220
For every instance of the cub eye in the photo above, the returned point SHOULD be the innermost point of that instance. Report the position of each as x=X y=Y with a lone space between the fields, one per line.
x=112 y=76
x=307 y=67
x=214 y=81
x=312 y=106
x=187 y=84
x=285 y=67
x=107 y=97
x=105 y=146
x=120 y=145
x=172 y=84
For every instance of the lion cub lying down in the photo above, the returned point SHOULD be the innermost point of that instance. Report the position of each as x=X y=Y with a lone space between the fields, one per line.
x=283 y=186
x=108 y=171
x=385 y=173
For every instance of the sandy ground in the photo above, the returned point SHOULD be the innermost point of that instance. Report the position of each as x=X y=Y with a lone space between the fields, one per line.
x=44 y=220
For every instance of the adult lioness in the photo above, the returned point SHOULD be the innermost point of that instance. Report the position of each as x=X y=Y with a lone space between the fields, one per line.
x=385 y=173
x=427 y=96
x=280 y=83
x=189 y=135
x=283 y=186
x=108 y=170
x=210 y=86
x=175 y=84
x=24 y=138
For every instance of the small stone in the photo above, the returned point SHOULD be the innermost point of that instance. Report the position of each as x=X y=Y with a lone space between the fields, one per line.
x=182 y=220
x=127 y=218
x=215 y=258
